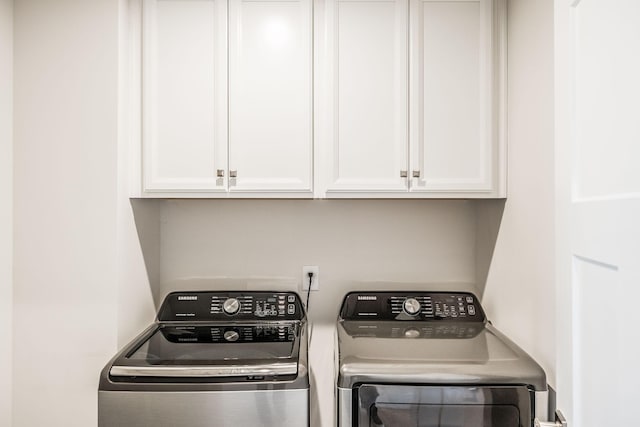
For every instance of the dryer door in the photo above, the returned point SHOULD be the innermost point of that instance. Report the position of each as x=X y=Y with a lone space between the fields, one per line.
x=443 y=406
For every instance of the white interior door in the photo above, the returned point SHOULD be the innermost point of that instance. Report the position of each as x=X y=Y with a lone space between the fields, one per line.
x=364 y=69
x=184 y=94
x=598 y=247
x=270 y=95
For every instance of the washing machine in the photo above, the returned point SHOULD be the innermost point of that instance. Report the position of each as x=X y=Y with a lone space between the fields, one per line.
x=212 y=359
x=431 y=359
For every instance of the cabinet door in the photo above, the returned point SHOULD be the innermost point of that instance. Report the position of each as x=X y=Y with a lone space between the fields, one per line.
x=452 y=131
x=270 y=95
x=184 y=94
x=365 y=90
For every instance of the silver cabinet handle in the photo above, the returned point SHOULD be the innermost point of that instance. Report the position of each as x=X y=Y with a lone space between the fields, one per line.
x=233 y=174
x=220 y=173
x=403 y=174
x=560 y=421
x=416 y=174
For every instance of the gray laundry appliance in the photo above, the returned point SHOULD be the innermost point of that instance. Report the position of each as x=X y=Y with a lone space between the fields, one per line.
x=212 y=359
x=431 y=359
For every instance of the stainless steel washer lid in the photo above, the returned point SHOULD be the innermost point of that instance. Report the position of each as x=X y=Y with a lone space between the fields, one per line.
x=215 y=350
x=209 y=365
x=426 y=348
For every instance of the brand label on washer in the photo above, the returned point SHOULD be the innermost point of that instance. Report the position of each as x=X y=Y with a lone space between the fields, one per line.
x=367 y=297
x=187 y=297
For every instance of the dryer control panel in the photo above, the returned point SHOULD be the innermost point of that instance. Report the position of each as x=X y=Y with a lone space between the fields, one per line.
x=224 y=306
x=416 y=306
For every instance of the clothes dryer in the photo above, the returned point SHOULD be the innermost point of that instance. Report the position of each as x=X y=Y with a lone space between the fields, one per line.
x=431 y=359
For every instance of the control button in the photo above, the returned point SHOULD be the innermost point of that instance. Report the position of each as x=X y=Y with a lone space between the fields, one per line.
x=291 y=309
x=231 y=306
x=411 y=306
x=472 y=310
x=470 y=300
x=231 y=335
x=291 y=298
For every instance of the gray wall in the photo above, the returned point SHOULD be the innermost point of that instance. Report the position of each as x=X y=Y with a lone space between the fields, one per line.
x=520 y=290
x=65 y=182
x=356 y=244
x=6 y=208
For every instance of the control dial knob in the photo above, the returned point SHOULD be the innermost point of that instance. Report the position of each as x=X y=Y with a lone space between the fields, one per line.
x=231 y=335
x=411 y=306
x=231 y=306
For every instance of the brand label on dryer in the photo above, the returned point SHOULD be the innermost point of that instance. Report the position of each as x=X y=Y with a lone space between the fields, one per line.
x=367 y=297
x=187 y=297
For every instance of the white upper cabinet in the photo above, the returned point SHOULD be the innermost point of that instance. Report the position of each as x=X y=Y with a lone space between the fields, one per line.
x=210 y=133
x=320 y=98
x=270 y=95
x=184 y=94
x=411 y=98
x=365 y=96
x=454 y=140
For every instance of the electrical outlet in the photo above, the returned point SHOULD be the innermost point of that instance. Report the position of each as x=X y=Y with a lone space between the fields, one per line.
x=315 y=280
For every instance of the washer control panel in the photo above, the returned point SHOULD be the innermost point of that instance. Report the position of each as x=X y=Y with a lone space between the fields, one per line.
x=213 y=306
x=420 y=306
